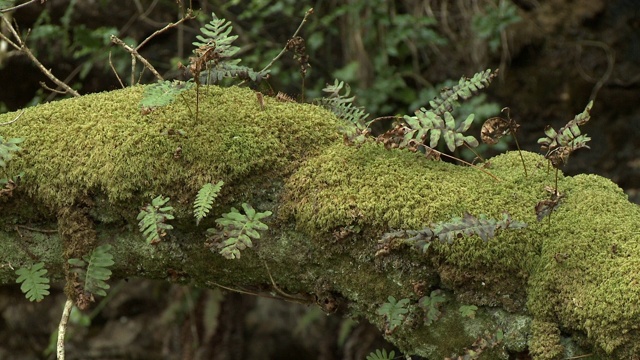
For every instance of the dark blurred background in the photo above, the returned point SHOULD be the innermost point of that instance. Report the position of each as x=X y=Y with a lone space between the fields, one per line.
x=553 y=55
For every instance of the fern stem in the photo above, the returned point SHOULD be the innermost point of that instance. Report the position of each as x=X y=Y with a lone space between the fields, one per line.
x=520 y=152
x=467 y=163
x=284 y=49
x=62 y=328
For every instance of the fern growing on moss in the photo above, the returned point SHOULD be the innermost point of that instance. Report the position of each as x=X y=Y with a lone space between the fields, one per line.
x=204 y=200
x=237 y=231
x=431 y=305
x=162 y=94
x=152 y=220
x=394 y=312
x=8 y=148
x=448 y=98
x=343 y=107
x=448 y=231
x=92 y=274
x=35 y=285
x=381 y=355
x=214 y=53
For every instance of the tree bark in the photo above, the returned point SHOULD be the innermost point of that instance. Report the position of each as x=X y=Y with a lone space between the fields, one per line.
x=90 y=164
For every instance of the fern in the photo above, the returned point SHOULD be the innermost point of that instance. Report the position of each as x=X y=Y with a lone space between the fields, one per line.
x=559 y=145
x=162 y=94
x=468 y=311
x=342 y=106
x=8 y=148
x=214 y=52
x=381 y=355
x=431 y=305
x=394 y=311
x=238 y=230
x=429 y=122
x=448 y=231
x=204 y=200
x=35 y=285
x=465 y=89
x=152 y=220
x=93 y=270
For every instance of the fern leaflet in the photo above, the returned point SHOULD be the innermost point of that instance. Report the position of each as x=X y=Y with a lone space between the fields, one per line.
x=162 y=94
x=93 y=270
x=341 y=105
x=204 y=200
x=214 y=53
x=429 y=122
x=238 y=230
x=465 y=89
x=559 y=145
x=8 y=148
x=152 y=220
x=35 y=285
x=394 y=311
x=381 y=355
x=431 y=305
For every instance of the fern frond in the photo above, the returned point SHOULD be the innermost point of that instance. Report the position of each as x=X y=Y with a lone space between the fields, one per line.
x=428 y=122
x=342 y=106
x=35 y=285
x=448 y=98
x=204 y=200
x=162 y=93
x=559 y=145
x=93 y=271
x=152 y=220
x=394 y=311
x=8 y=148
x=431 y=305
x=214 y=52
x=381 y=355
x=238 y=230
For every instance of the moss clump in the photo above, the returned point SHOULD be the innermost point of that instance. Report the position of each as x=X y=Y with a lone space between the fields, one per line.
x=101 y=143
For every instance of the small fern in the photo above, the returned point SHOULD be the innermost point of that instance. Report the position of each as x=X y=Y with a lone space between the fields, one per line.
x=448 y=231
x=466 y=87
x=560 y=144
x=431 y=305
x=93 y=270
x=468 y=311
x=237 y=231
x=162 y=94
x=342 y=105
x=152 y=220
x=430 y=122
x=214 y=52
x=8 y=148
x=35 y=285
x=381 y=355
x=394 y=312
x=204 y=200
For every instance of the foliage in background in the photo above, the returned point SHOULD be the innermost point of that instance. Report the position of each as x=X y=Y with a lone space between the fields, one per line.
x=35 y=285
x=153 y=219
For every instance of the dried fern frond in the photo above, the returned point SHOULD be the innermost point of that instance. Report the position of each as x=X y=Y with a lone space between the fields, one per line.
x=560 y=144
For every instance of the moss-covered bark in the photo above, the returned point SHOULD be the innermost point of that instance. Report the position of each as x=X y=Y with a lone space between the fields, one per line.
x=90 y=163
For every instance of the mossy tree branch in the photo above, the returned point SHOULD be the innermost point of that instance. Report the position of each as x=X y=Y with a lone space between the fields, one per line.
x=97 y=159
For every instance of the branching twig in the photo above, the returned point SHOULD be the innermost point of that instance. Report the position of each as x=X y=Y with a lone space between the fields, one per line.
x=304 y=20
x=21 y=46
x=115 y=72
x=188 y=16
x=134 y=55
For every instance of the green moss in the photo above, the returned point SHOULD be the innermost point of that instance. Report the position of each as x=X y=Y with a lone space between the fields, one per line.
x=101 y=143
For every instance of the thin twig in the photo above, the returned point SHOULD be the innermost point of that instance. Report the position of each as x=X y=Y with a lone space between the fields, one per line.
x=20 y=6
x=188 y=16
x=46 y=87
x=115 y=72
x=21 y=46
x=304 y=20
x=44 y=231
x=134 y=55
x=466 y=162
x=14 y=120
x=62 y=328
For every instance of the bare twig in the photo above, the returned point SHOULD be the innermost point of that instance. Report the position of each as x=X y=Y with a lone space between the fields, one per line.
x=115 y=72
x=304 y=20
x=62 y=328
x=21 y=46
x=14 y=120
x=188 y=16
x=20 y=6
x=134 y=55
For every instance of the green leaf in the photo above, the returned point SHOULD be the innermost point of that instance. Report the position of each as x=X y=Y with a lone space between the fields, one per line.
x=394 y=311
x=237 y=231
x=381 y=355
x=152 y=220
x=204 y=200
x=35 y=285
x=94 y=270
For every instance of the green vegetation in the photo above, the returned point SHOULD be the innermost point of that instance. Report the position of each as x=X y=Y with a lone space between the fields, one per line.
x=35 y=285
